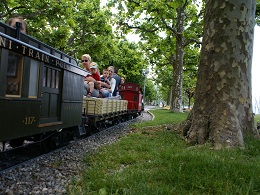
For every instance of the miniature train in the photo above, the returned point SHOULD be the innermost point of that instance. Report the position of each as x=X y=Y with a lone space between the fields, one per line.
x=41 y=95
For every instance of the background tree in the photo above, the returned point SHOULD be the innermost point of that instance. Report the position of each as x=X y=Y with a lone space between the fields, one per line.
x=77 y=27
x=257 y=13
x=222 y=112
x=49 y=22
x=150 y=92
x=167 y=27
x=191 y=60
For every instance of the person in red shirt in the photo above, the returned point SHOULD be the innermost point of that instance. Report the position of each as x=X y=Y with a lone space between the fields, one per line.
x=94 y=71
x=95 y=74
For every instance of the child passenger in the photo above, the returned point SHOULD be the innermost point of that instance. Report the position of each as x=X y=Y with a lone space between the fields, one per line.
x=95 y=74
x=105 y=84
x=104 y=78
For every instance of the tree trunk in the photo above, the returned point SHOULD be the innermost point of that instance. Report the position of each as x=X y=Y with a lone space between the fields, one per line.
x=176 y=102
x=222 y=112
x=169 y=99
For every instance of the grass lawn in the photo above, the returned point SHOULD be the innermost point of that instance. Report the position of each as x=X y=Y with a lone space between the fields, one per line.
x=153 y=160
x=257 y=118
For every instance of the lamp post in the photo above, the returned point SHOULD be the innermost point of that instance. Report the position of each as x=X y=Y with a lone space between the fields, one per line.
x=144 y=72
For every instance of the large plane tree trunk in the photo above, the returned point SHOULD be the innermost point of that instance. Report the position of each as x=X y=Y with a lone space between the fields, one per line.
x=222 y=112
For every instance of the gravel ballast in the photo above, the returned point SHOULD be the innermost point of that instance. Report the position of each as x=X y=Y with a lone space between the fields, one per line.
x=51 y=174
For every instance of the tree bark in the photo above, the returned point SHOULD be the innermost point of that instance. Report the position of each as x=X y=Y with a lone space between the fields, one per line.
x=222 y=112
x=176 y=102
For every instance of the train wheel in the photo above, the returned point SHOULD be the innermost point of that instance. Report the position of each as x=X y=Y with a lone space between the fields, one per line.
x=16 y=142
x=93 y=129
x=56 y=141
x=65 y=138
x=51 y=143
x=99 y=126
x=117 y=120
x=121 y=119
x=130 y=117
x=104 y=125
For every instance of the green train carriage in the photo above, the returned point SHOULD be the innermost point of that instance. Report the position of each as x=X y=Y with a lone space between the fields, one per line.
x=40 y=91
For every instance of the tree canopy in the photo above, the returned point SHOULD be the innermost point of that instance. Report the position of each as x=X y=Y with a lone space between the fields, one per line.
x=77 y=27
x=166 y=29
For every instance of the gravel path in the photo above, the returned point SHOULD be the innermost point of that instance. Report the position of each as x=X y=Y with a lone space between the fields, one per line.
x=51 y=174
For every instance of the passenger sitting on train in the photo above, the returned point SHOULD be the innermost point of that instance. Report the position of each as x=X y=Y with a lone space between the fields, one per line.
x=118 y=82
x=105 y=84
x=89 y=81
x=12 y=22
x=111 y=79
x=122 y=80
x=95 y=74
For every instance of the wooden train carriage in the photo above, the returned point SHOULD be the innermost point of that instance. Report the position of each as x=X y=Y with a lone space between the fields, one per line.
x=101 y=110
x=132 y=93
x=41 y=87
x=103 y=106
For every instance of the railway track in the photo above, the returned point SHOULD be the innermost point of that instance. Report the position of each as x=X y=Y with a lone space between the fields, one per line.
x=13 y=158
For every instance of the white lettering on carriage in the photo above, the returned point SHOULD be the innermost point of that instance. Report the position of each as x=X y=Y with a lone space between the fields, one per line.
x=4 y=42
x=24 y=48
x=10 y=44
x=46 y=58
x=30 y=54
x=37 y=56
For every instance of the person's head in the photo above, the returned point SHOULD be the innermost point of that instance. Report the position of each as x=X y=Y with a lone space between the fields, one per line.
x=12 y=22
x=110 y=70
x=105 y=73
x=115 y=70
x=122 y=80
x=93 y=67
x=86 y=60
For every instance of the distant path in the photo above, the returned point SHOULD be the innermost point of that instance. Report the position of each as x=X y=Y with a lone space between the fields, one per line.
x=150 y=107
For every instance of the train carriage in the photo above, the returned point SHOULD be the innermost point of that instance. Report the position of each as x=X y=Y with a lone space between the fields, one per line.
x=132 y=93
x=41 y=95
x=41 y=87
x=102 y=112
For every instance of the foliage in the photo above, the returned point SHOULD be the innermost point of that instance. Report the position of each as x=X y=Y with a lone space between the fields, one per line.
x=129 y=60
x=257 y=12
x=77 y=27
x=150 y=92
x=191 y=61
x=158 y=25
x=257 y=118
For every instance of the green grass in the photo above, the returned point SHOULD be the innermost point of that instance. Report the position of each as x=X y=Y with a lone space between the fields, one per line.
x=163 y=117
x=156 y=161
x=257 y=118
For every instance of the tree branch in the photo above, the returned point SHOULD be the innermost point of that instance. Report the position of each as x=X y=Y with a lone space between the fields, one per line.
x=192 y=40
x=138 y=27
